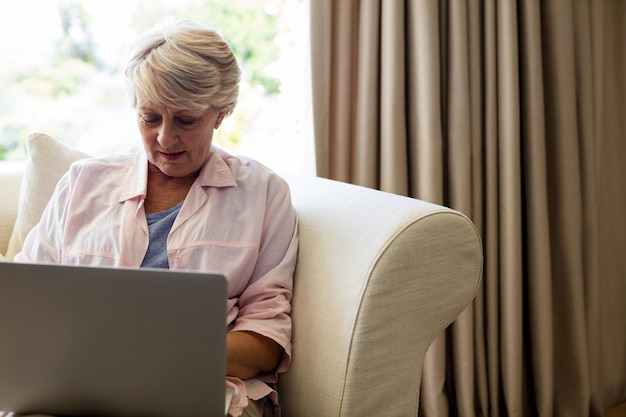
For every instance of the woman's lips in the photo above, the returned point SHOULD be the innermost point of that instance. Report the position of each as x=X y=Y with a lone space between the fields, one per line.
x=172 y=156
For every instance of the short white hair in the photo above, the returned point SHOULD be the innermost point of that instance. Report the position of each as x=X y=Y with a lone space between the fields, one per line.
x=182 y=64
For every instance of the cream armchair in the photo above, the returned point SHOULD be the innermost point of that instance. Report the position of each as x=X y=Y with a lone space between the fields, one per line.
x=378 y=277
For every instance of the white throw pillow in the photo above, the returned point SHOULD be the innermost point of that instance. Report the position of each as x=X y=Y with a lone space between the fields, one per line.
x=48 y=160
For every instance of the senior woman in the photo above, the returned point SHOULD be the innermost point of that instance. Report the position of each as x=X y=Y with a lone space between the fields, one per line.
x=179 y=202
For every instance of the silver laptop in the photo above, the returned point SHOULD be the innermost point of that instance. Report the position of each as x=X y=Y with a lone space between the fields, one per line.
x=110 y=342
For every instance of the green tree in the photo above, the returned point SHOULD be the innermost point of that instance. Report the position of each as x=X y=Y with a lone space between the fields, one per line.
x=77 y=40
x=12 y=144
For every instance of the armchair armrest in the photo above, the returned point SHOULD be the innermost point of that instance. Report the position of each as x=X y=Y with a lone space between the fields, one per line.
x=378 y=277
x=10 y=182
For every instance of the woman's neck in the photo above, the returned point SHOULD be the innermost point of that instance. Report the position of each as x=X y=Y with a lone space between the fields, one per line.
x=163 y=191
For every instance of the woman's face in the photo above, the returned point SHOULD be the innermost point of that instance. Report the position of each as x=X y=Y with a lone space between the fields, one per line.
x=177 y=142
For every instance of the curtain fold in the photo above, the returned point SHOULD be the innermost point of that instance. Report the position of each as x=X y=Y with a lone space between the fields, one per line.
x=512 y=112
x=540 y=328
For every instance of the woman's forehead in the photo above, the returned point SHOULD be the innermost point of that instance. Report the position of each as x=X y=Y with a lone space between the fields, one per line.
x=145 y=103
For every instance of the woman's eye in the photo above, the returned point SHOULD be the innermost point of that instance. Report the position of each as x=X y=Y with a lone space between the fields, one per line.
x=149 y=119
x=185 y=121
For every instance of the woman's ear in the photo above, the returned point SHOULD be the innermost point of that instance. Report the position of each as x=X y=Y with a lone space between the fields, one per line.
x=219 y=119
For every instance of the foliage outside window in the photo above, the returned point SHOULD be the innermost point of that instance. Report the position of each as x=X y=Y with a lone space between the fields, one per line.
x=76 y=92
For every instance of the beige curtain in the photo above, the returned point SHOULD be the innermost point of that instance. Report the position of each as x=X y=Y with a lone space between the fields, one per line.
x=513 y=112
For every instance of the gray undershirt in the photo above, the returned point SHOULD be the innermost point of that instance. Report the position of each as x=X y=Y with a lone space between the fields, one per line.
x=159 y=226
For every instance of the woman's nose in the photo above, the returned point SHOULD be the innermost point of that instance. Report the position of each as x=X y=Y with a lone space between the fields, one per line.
x=167 y=134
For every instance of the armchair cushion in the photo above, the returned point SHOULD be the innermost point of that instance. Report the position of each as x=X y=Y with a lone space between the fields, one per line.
x=48 y=160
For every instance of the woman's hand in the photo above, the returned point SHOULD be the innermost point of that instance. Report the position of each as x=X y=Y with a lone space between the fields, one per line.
x=249 y=354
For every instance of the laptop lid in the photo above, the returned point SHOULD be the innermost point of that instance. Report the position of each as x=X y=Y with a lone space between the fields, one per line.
x=111 y=342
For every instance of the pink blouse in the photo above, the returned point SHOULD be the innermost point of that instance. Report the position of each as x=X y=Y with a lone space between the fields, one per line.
x=237 y=220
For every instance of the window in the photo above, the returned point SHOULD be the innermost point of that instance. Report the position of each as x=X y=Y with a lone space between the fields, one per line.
x=61 y=63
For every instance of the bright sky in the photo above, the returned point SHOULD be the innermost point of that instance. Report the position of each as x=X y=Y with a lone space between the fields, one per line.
x=29 y=28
